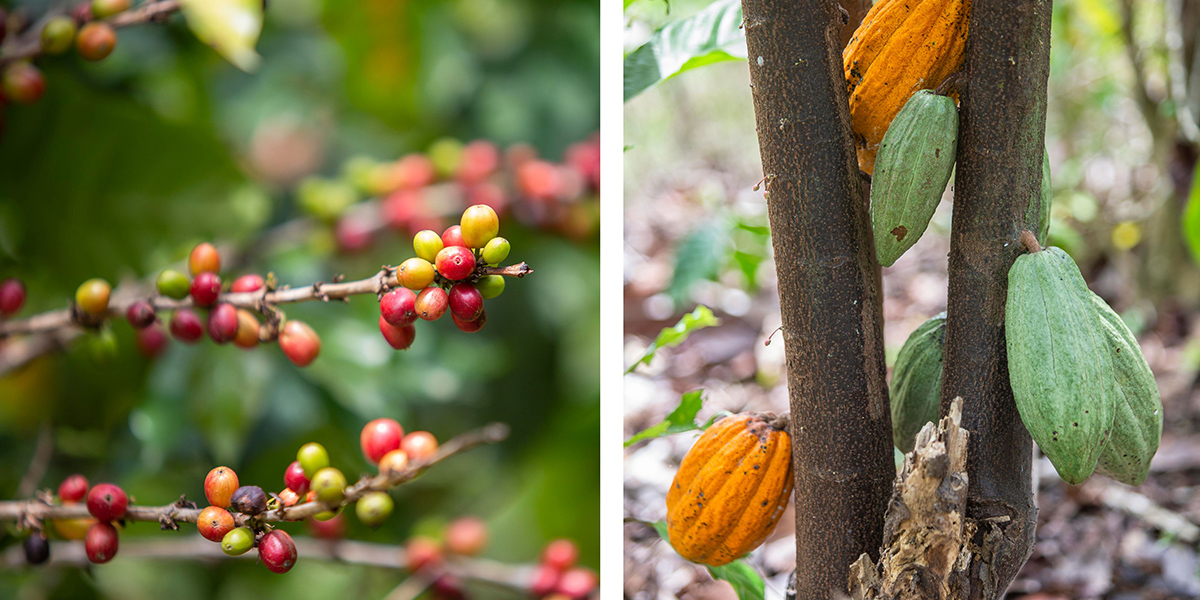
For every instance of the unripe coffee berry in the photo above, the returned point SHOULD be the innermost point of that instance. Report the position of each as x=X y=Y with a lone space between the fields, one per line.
x=455 y=263
x=12 y=296
x=330 y=486
x=452 y=236
x=72 y=489
x=299 y=343
x=223 y=323
x=427 y=243
x=57 y=34
x=420 y=446
x=23 y=83
x=466 y=536
x=380 y=437
x=490 y=286
x=107 y=502
x=206 y=287
x=277 y=551
x=173 y=284
x=471 y=326
x=96 y=41
x=100 y=542
x=415 y=273
x=374 y=508
x=325 y=515
x=247 y=329
x=219 y=486
x=495 y=251
x=249 y=500
x=393 y=462
x=214 y=523
x=37 y=548
x=250 y=282
x=238 y=541
x=103 y=9
x=398 y=307
x=576 y=583
x=432 y=303
x=400 y=338
x=151 y=341
x=466 y=302
x=295 y=479
x=423 y=553
x=185 y=326
x=312 y=458
x=560 y=554
x=204 y=258
x=479 y=225
x=92 y=296
x=140 y=314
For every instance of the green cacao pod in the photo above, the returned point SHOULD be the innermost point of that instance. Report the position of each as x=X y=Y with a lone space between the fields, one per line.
x=1059 y=362
x=916 y=386
x=911 y=170
x=1137 y=426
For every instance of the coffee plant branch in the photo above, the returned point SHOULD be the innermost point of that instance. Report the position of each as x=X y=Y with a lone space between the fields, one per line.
x=29 y=45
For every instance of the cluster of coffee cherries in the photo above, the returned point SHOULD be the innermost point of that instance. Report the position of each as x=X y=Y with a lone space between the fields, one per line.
x=106 y=503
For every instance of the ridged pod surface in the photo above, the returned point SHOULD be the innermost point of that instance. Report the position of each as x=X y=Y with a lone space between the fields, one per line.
x=1137 y=426
x=916 y=385
x=1059 y=362
x=901 y=46
x=731 y=489
x=915 y=161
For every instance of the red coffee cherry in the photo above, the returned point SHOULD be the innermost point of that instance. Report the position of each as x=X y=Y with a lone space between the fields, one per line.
x=544 y=581
x=214 y=522
x=294 y=478
x=186 y=326
x=299 y=343
x=219 y=486
x=539 y=180
x=151 y=341
x=453 y=236
x=466 y=536
x=249 y=500
x=206 y=286
x=423 y=553
x=414 y=171
x=400 y=338
x=247 y=283
x=12 y=296
x=466 y=302
x=352 y=234
x=470 y=326
x=576 y=583
x=204 y=259
x=447 y=587
x=277 y=551
x=73 y=489
x=479 y=159
x=100 y=543
x=96 y=41
x=455 y=263
x=380 y=437
x=432 y=303
x=398 y=307
x=401 y=208
x=247 y=329
x=107 y=502
x=223 y=323
x=585 y=156
x=488 y=193
x=479 y=225
x=560 y=554
x=23 y=83
x=419 y=446
x=140 y=314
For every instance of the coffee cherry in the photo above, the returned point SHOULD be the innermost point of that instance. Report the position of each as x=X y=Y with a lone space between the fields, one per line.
x=92 y=296
x=380 y=437
x=328 y=529
x=326 y=515
x=432 y=303
x=539 y=180
x=151 y=341
x=277 y=551
x=585 y=156
x=23 y=83
x=423 y=553
x=247 y=329
x=100 y=542
x=103 y=9
x=173 y=284
x=447 y=587
x=204 y=259
x=393 y=462
x=299 y=343
x=73 y=529
x=453 y=236
x=471 y=326
x=206 y=286
x=238 y=541
x=140 y=314
x=249 y=500
x=495 y=251
x=401 y=208
x=479 y=159
x=37 y=548
x=288 y=498
x=295 y=479
x=455 y=263
x=214 y=522
x=330 y=486
x=420 y=446
x=223 y=323
x=107 y=502
x=490 y=286
x=374 y=508
x=488 y=193
x=186 y=326
x=400 y=338
x=544 y=581
x=427 y=243
x=466 y=302
x=12 y=296
x=397 y=307
x=466 y=536
x=479 y=225
x=353 y=234
x=312 y=458
x=560 y=554
x=219 y=486
x=414 y=171
x=415 y=273
x=96 y=41
x=57 y=34
x=576 y=583
x=251 y=282
x=72 y=489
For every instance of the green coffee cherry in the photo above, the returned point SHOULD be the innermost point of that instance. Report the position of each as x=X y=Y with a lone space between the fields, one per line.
x=328 y=514
x=58 y=35
x=490 y=286
x=495 y=251
x=173 y=284
x=329 y=484
x=374 y=508
x=238 y=541
x=312 y=457
x=427 y=244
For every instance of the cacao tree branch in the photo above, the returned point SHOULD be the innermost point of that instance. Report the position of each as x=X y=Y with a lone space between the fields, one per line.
x=29 y=45
x=828 y=288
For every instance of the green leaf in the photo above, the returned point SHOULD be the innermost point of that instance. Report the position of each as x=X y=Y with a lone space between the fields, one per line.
x=713 y=419
x=745 y=581
x=675 y=335
x=714 y=35
x=1191 y=217
x=661 y=528
x=698 y=257
x=231 y=27
x=682 y=419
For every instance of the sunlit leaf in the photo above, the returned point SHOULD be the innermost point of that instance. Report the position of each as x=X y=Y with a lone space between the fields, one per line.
x=682 y=419
x=1191 y=217
x=714 y=35
x=698 y=257
x=676 y=334
x=745 y=581
x=231 y=27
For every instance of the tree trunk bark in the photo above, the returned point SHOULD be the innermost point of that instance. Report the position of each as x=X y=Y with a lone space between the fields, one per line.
x=1003 y=116
x=828 y=291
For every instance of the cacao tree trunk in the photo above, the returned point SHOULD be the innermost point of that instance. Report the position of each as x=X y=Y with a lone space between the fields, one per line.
x=829 y=293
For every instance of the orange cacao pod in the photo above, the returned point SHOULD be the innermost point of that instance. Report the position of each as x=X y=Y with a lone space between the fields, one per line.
x=901 y=46
x=731 y=489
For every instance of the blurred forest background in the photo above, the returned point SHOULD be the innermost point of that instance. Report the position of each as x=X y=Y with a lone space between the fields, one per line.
x=125 y=164
x=1122 y=162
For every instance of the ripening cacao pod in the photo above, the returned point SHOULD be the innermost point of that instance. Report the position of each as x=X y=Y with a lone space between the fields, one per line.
x=1059 y=362
x=730 y=489
x=1137 y=425
x=901 y=46
x=916 y=386
x=915 y=161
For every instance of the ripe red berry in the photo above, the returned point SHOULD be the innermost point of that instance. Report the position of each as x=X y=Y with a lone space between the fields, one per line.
x=398 y=307
x=294 y=478
x=560 y=554
x=206 y=286
x=96 y=41
x=479 y=225
x=419 y=446
x=107 y=502
x=380 y=437
x=186 y=326
x=151 y=341
x=466 y=302
x=544 y=581
x=453 y=236
x=400 y=338
x=400 y=208
x=539 y=180
x=299 y=343
x=277 y=551
x=23 y=83
x=432 y=303
x=447 y=587
x=12 y=296
x=100 y=542
x=329 y=529
x=352 y=234
x=585 y=156
x=455 y=263
x=250 y=282
x=414 y=171
x=488 y=193
x=576 y=583
x=423 y=553
x=73 y=489
x=249 y=500
x=247 y=329
x=479 y=159
x=466 y=536
x=219 y=486
x=223 y=323
x=471 y=326
x=214 y=522
x=140 y=314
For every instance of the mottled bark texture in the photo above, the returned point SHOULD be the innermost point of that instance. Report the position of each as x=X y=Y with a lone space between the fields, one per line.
x=1003 y=118
x=828 y=291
